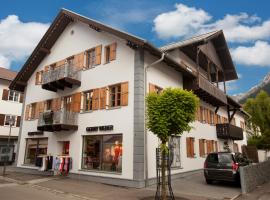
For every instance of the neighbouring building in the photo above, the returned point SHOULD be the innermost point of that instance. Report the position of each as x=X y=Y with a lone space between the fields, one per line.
x=85 y=86
x=10 y=109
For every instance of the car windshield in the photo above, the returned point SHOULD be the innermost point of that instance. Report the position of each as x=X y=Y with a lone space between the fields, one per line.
x=225 y=158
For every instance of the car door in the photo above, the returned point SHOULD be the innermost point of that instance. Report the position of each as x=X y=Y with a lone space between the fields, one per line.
x=225 y=163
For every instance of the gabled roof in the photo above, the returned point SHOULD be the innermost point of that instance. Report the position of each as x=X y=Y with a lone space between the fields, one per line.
x=220 y=44
x=7 y=74
x=61 y=21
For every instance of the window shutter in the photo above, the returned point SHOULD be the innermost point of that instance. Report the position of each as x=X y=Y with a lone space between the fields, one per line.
x=215 y=118
x=95 y=100
x=56 y=104
x=152 y=88
x=36 y=115
x=208 y=146
x=188 y=147
x=198 y=114
x=79 y=61
x=21 y=97
x=26 y=115
x=76 y=102
x=18 y=121
x=2 y=119
x=5 y=95
x=103 y=98
x=216 y=146
x=113 y=51
x=98 y=50
x=41 y=106
x=124 y=94
x=47 y=68
x=37 y=78
x=60 y=63
x=209 y=116
x=192 y=153
x=201 y=147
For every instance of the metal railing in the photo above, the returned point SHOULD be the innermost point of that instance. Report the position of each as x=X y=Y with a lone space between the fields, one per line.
x=62 y=116
x=63 y=71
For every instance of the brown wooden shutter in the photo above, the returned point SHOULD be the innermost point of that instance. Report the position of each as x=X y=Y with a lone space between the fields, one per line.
x=2 y=119
x=21 y=97
x=36 y=115
x=216 y=146
x=41 y=106
x=76 y=102
x=215 y=118
x=124 y=94
x=98 y=51
x=5 y=95
x=188 y=147
x=113 y=51
x=208 y=117
x=56 y=104
x=198 y=113
x=208 y=145
x=192 y=153
x=152 y=88
x=18 y=121
x=26 y=114
x=37 y=78
x=95 y=99
x=103 y=97
x=79 y=61
x=201 y=147
x=60 y=63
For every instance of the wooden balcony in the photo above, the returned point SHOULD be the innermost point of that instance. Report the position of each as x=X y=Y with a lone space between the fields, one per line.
x=62 y=120
x=229 y=131
x=206 y=91
x=60 y=78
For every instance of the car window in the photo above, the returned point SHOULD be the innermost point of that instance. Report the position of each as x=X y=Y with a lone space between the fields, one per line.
x=213 y=158
x=225 y=158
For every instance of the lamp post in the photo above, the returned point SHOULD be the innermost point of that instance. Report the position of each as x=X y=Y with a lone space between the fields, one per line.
x=11 y=123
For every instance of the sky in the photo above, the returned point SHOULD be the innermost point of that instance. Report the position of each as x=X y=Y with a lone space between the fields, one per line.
x=246 y=25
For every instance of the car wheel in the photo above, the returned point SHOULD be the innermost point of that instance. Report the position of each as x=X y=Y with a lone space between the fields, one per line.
x=208 y=181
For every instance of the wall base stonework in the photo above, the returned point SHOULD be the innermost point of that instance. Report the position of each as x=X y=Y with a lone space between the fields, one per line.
x=254 y=175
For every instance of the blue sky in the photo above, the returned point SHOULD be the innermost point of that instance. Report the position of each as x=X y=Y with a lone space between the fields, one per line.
x=246 y=25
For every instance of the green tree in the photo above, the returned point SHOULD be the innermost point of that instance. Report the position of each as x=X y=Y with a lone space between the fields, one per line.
x=259 y=109
x=170 y=113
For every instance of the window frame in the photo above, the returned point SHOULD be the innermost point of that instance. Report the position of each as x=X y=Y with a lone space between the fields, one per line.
x=118 y=102
x=85 y=99
x=13 y=96
x=93 y=60
x=15 y=120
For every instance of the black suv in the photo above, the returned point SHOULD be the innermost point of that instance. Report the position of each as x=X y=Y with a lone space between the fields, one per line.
x=223 y=166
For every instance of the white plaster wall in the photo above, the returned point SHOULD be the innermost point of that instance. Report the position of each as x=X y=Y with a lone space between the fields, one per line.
x=120 y=70
x=8 y=108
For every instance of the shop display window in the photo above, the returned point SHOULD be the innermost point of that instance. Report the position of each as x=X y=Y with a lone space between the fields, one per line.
x=35 y=147
x=103 y=152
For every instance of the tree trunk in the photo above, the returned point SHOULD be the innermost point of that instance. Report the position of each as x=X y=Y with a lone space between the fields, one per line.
x=163 y=172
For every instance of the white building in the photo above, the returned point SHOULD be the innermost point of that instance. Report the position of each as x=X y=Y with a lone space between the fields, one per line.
x=10 y=108
x=84 y=88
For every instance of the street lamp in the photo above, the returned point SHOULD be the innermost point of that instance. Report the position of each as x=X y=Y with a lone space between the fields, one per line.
x=11 y=123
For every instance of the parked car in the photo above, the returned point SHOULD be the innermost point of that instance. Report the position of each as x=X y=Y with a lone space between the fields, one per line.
x=223 y=166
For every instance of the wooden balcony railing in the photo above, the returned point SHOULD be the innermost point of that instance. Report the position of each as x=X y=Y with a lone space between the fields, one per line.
x=207 y=91
x=229 y=131
x=57 y=121
x=59 y=78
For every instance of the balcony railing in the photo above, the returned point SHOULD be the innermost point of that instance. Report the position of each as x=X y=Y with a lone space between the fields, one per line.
x=206 y=90
x=229 y=131
x=58 y=120
x=59 y=78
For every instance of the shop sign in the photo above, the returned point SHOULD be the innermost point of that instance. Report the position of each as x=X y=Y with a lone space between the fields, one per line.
x=99 y=128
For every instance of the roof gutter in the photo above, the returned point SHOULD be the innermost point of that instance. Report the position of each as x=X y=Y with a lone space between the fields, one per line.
x=145 y=128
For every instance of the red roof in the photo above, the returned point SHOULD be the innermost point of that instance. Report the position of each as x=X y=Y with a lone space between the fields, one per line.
x=7 y=74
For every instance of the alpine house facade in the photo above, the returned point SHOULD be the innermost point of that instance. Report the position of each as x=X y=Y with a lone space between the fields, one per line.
x=85 y=85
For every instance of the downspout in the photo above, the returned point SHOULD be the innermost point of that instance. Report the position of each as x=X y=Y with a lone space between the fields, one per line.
x=145 y=128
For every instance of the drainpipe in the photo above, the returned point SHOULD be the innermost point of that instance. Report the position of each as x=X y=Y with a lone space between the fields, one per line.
x=145 y=128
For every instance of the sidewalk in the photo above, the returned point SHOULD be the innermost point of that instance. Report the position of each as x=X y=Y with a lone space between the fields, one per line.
x=261 y=193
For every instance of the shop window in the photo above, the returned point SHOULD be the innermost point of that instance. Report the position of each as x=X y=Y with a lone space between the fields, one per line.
x=8 y=118
x=35 y=147
x=88 y=100
x=115 y=95
x=103 y=152
x=13 y=96
x=174 y=145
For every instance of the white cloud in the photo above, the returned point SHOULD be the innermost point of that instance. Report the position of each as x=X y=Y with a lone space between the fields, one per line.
x=18 y=39
x=185 y=21
x=181 y=22
x=257 y=55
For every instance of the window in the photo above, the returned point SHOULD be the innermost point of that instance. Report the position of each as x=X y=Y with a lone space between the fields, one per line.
x=91 y=58
x=13 y=96
x=34 y=148
x=110 y=52
x=48 y=105
x=103 y=152
x=190 y=147
x=174 y=145
x=32 y=111
x=202 y=145
x=212 y=122
x=8 y=118
x=155 y=89
x=88 y=100
x=115 y=95
x=203 y=114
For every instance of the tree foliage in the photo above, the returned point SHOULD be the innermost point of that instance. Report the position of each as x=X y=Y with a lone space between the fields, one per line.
x=171 y=112
x=259 y=109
